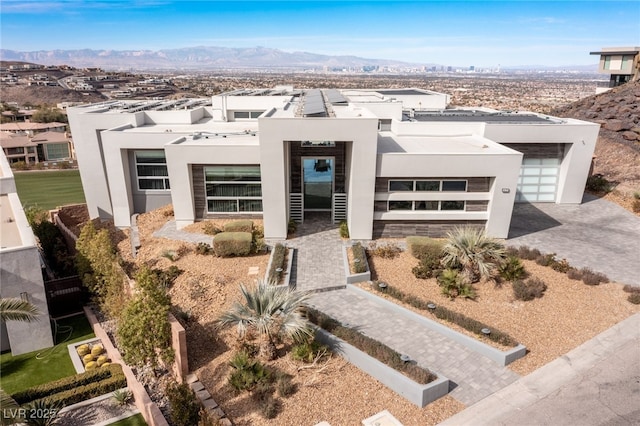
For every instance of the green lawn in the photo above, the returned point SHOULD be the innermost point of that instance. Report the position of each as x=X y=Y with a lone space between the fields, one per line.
x=49 y=189
x=23 y=371
x=136 y=420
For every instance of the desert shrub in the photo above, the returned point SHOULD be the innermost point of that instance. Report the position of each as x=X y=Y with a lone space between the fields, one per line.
x=473 y=326
x=51 y=241
x=167 y=277
x=344 y=229
x=258 y=232
x=635 y=206
x=547 y=259
x=204 y=249
x=285 y=385
x=210 y=228
x=453 y=285
x=359 y=258
x=239 y=226
x=184 y=407
x=170 y=254
x=574 y=274
x=42 y=413
x=419 y=246
x=385 y=251
x=511 y=269
x=561 y=265
x=292 y=226
x=228 y=244
x=143 y=331
x=590 y=277
x=429 y=265
x=19 y=165
x=630 y=289
x=259 y=246
x=277 y=261
x=598 y=183
x=526 y=253
x=529 y=289
x=634 y=298
x=247 y=373
x=308 y=351
x=270 y=407
x=122 y=397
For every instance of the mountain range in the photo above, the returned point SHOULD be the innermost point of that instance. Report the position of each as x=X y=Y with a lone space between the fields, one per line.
x=192 y=58
x=212 y=57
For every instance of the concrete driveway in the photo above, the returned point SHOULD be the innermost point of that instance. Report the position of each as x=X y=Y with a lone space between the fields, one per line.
x=597 y=234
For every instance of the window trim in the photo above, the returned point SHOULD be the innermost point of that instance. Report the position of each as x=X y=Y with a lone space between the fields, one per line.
x=415 y=184
x=165 y=179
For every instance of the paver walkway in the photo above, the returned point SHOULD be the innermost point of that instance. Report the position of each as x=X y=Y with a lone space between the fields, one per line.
x=319 y=261
x=320 y=266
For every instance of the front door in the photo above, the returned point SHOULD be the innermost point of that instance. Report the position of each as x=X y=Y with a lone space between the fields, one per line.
x=317 y=181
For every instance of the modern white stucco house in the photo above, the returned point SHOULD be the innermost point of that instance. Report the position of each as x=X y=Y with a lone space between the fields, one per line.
x=391 y=162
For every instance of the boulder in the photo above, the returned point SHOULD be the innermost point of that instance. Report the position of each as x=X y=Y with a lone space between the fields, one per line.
x=630 y=136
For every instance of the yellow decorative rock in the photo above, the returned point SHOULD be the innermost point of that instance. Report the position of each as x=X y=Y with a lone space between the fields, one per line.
x=97 y=350
x=101 y=360
x=106 y=364
x=82 y=350
x=87 y=358
x=91 y=366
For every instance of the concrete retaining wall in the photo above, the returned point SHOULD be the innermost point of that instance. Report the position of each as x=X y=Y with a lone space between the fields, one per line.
x=354 y=278
x=287 y=272
x=416 y=393
x=500 y=357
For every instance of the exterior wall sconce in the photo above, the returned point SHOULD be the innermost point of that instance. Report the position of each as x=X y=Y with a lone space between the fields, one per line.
x=506 y=190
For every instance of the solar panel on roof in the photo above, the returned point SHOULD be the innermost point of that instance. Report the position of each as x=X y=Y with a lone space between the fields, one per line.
x=313 y=103
x=335 y=97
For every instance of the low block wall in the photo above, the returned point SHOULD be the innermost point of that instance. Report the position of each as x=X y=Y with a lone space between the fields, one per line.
x=500 y=357
x=416 y=393
x=179 y=344
x=287 y=272
x=354 y=278
x=149 y=410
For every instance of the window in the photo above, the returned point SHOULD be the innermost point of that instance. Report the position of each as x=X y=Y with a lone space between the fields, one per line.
x=454 y=185
x=247 y=114
x=428 y=185
x=151 y=167
x=426 y=205
x=607 y=62
x=233 y=189
x=400 y=185
x=56 y=151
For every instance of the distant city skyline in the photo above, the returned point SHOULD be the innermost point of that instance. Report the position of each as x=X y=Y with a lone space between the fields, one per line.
x=462 y=33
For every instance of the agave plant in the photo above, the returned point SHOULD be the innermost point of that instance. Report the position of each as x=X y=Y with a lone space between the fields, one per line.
x=474 y=252
x=271 y=312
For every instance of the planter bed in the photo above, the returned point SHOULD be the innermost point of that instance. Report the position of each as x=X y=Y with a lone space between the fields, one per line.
x=353 y=278
x=501 y=357
x=287 y=266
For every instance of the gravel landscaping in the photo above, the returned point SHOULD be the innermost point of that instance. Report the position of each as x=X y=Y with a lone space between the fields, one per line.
x=568 y=314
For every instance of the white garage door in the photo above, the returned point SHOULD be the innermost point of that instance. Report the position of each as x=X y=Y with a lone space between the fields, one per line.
x=538 y=180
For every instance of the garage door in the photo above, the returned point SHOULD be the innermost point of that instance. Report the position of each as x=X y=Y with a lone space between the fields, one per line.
x=538 y=180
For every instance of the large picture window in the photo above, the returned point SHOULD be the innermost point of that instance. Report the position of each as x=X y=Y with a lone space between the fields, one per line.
x=233 y=189
x=151 y=167
x=426 y=205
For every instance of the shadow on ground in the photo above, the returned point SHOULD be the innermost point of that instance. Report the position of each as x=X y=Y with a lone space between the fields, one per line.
x=528 y=219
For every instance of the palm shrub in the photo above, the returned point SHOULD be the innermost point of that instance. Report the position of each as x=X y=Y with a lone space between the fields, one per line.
x=270 y=312
x=511 y=269
x=453 y=285
x=474 y=252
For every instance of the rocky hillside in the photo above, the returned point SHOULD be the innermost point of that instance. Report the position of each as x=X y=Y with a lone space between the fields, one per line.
x=618 y=148
x=49 y=95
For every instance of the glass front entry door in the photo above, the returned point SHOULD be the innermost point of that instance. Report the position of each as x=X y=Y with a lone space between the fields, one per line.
x=317 y=178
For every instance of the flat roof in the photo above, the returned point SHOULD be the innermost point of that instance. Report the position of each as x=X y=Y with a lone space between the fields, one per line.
x=220 y=139
x=481 y=116
x=9 y=232
x=389 y=143
x=397 y=92
x=206 y=124
x=616 y=51
x=130 y=106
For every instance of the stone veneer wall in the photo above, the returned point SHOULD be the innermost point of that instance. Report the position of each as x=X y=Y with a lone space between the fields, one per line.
x=432 y=228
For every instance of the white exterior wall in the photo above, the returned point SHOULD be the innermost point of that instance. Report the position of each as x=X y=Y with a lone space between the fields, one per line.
x=224 y=106
x=424 y=128
x=361 y=132
x=574 y=170
x=85 y=126
x=503 y=168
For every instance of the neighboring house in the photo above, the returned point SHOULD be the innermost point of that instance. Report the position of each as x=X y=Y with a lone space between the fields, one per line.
x=33 y=128
x=43 y=147
x=391 y=162
x=20 y=270
x=621 y=63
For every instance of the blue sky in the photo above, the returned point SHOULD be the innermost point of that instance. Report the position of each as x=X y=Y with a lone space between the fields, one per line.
x=480 y=33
